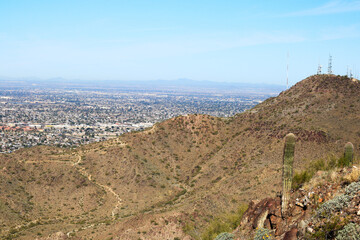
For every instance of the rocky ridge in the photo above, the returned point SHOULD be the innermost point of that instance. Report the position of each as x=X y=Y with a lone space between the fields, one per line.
x=170 y=181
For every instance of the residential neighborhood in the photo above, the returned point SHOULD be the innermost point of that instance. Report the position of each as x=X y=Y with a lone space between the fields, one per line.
x=69 y=117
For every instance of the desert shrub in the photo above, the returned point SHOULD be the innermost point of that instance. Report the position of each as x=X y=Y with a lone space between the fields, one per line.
x=332 y=163
x=328 y=230
x=225 y=236
x=224 y=223
x=333 y=205
x=300 y=178
x=189 y=229
x=353 y=176
x=339 y=202
x=262 y=233
x=318 y=165
x=343 y=162
x=217 y=226
x=350 y=232
x=352 y=189
x=235 y=218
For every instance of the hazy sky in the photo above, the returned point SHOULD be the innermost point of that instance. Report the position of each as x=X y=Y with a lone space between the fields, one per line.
x=223 y=40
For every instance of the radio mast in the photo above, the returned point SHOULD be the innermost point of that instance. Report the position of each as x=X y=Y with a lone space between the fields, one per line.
x=319 y=69
x=330 y=65
x=287 y=71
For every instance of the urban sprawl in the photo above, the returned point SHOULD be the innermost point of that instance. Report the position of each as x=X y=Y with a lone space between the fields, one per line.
x=70 y=117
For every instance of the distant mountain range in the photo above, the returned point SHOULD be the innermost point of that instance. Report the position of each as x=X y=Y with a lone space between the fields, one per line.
x=182 y=84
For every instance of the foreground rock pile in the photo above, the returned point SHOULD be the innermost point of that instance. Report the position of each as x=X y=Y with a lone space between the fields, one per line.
x=326 y=208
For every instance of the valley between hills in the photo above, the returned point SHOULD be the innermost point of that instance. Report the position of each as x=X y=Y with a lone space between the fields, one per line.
x=172 y=180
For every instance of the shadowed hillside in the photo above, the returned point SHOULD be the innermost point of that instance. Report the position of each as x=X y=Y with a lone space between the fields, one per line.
x=178 y=175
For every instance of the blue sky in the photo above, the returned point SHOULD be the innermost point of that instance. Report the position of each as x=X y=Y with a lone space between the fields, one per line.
x=230 y=41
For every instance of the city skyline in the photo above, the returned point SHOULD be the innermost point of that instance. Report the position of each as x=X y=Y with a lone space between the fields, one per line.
x=213 y=40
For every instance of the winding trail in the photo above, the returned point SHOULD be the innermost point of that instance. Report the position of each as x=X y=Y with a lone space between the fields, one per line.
x=77 y=165
x=108 y=189
x=82 y=171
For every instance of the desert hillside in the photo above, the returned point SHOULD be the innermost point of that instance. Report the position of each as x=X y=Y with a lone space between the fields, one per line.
x=170 y=181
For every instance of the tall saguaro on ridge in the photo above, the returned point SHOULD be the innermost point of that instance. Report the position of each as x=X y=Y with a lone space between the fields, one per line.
x=288 y=160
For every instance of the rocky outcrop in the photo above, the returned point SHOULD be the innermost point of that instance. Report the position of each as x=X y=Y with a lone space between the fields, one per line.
x=266 y=213
x=291 y=235
x=311 y=210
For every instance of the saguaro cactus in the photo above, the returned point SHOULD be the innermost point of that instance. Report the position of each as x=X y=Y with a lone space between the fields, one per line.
x=288 y=160
x=349 y=154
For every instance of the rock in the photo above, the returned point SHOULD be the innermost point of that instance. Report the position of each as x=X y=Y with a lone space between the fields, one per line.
x=306 y=201
x=352 y=211
x=258 y=213
x=302 y=227
x=267 y=223
x=260 y=219
x=309 y=230
x=276 y=223
x=291 y=235
x=297 y=212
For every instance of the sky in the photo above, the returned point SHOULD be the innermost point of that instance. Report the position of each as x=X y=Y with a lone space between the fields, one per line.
x=222 y=40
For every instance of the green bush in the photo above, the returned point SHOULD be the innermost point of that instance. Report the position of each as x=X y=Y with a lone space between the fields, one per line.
x=225 y=236
x=234 y=219
x=225 y=223
x=339 y=202
x=352 y=189
x=332 y=163
x=300 y=178
x=328 y=230
x=318 y=165
x=333 y=205
x=217 y=226
x=262 y=233
x=342 y=162
x=349 y=232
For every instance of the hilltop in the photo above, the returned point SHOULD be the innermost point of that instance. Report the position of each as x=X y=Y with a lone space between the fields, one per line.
x=171 y=180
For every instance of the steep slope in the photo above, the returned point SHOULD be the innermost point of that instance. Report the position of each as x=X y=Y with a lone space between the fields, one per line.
x=325 y=103
x=188 y=169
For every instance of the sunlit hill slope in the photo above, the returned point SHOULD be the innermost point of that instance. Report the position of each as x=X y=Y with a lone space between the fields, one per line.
x=169 y=181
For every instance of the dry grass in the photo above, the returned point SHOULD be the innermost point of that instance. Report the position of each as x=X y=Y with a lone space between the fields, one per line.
x=353 y=175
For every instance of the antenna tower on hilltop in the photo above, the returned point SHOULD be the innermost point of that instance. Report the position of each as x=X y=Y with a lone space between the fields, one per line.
x=330 y=65
x=319 y=69
x=287 y=71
